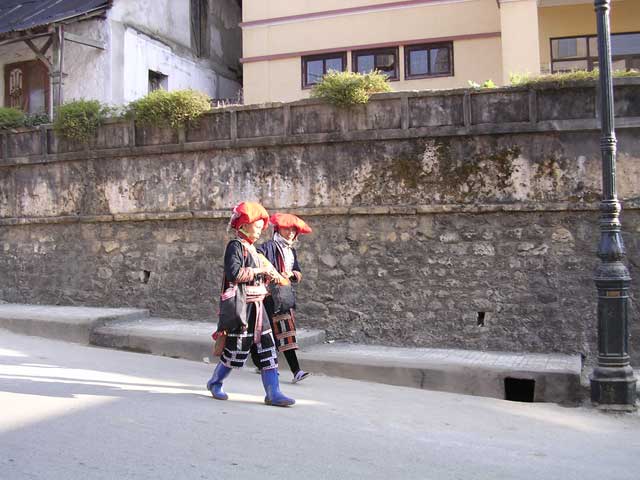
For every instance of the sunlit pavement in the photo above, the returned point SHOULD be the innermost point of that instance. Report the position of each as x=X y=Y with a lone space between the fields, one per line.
x=71 y=412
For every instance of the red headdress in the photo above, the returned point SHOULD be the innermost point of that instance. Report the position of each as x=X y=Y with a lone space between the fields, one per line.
x=247 y=212
x=288 y=220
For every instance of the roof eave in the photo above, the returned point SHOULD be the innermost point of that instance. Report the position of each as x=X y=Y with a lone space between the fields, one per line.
x=70 y=19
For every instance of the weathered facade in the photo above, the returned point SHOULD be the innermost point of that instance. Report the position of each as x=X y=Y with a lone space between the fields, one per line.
x=138 y=46
x=453 y=219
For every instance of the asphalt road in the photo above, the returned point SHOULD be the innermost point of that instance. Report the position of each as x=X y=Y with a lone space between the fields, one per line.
x=72 y=412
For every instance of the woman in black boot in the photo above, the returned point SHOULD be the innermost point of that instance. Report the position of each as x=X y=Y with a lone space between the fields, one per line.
x=280 y=252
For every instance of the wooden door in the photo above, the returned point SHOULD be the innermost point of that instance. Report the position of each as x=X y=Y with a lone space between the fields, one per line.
x=26 y=86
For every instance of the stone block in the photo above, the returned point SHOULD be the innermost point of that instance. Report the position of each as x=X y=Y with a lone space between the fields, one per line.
x=328 y=260
x=376 y=115
x=318 y=118
x=450 y=237
x=566 y=103
x=112 y=135
x=627 y=101
x=500 y=107
x=264 y=122
x=150 y=135
x=483 y=249
x=24 y=144
x=210 y=127
x=435 y=111
x=59 y=144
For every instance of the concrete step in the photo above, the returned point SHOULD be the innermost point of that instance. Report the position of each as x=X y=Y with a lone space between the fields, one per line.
x=72 y=324
x=173 y=338
x=550 y=377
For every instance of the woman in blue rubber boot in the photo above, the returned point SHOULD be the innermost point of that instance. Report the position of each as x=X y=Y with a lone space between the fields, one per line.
x=242 y=266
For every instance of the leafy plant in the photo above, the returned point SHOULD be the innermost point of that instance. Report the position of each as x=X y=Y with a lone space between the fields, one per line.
x=345 y=89
x=486 y=84
x=11 y=118
x=78 y=120
x=174 y=109
x=35 y=119
x=14 y=118
x=526 y=79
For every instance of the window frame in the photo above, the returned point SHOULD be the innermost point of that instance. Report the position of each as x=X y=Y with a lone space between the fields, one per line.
x=592 y=61
x=427 y=46
x=161 y=79
x=395 y=51
x=324 y=57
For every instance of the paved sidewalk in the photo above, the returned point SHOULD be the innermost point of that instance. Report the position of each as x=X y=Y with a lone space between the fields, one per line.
x=537 y=377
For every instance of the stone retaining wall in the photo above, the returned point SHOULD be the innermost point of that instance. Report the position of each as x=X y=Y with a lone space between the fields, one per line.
x=456 y=219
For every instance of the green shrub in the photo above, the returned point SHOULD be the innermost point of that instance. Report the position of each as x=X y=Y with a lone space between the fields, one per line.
x=526 y=79
x=349 y=88
x=175 y=109
x=486 y=84
x=78 y=120
x=11 y=118
x=35 y=119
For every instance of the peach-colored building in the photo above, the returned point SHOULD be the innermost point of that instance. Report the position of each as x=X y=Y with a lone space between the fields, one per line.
x=423 y=44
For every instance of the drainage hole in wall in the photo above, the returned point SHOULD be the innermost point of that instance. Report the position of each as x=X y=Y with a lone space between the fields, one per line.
x=519 y=389
x=481 y=319
x=146 y=274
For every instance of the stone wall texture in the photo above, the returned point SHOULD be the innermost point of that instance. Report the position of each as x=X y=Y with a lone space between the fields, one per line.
x=461 y=219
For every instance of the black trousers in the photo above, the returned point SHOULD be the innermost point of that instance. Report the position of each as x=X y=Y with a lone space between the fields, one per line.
x=239 y=345
x=290 y=355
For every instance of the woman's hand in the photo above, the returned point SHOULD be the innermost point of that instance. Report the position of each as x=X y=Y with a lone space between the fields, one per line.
x=269 y=272
x=259 y=271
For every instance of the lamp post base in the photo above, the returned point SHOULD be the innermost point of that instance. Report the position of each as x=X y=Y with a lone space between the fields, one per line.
x=614 y=389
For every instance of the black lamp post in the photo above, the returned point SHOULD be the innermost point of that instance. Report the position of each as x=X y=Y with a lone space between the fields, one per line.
x=613 y=385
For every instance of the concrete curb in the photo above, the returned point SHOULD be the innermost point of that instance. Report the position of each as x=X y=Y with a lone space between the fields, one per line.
x=172 y=338
x=559 y=384
x=71 y=324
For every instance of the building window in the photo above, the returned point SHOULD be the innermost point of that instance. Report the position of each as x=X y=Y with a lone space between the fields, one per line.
x=314 y=67
x=26 y=86
x=431 y=60
x=158 y=81
x=384 y=60
x=200 y=27
x=581 y=53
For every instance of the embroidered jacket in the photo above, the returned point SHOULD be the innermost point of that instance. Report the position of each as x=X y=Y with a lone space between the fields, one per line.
x=272 y=251
x=239 y=264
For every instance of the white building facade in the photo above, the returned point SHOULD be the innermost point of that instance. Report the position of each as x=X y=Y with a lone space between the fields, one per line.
x=121 y=50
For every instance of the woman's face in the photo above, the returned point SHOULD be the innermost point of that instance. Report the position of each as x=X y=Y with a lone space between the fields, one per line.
x=288 y=233
x=253 y=230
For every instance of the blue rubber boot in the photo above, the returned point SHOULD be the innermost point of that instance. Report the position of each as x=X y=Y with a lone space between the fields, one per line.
x=214 y=385
x=272 y=387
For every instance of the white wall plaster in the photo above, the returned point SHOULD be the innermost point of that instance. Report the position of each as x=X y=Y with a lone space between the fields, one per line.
x=142 y=53
x=140 y=35
x=169 y=19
